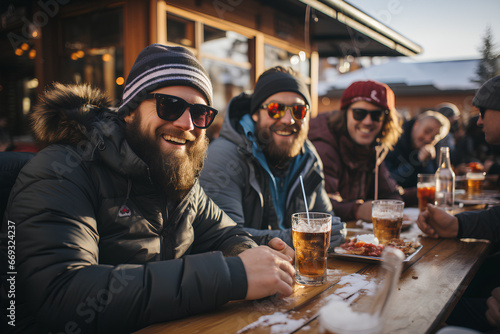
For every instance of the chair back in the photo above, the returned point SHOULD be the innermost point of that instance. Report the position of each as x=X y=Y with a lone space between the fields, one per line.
x=11 y=164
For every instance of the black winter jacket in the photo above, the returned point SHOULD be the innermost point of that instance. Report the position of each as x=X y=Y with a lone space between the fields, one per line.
x=96 y=247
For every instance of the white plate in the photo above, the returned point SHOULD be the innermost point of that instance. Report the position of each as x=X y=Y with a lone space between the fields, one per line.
x=363 y=258
x=478 y=201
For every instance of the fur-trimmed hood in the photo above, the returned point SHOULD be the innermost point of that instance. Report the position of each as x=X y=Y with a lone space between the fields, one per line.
x=79 y=116
x=64 y=112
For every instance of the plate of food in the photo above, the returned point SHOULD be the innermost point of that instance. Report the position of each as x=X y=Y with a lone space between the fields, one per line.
x=366 y=248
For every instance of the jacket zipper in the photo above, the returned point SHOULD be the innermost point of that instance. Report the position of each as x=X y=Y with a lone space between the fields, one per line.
x=164 y=216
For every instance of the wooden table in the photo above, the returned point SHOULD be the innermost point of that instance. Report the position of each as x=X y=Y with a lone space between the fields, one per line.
x=431 y=284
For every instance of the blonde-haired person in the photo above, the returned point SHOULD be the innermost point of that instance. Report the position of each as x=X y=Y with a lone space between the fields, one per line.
x=415 y=151
x=346 y=141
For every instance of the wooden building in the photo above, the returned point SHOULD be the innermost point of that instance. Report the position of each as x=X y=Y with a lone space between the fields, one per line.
x=70 y=41
x=418 y=86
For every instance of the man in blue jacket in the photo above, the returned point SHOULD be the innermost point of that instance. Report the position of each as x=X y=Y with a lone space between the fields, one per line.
x=253 y=168
x=110 y=227
x=475 y=311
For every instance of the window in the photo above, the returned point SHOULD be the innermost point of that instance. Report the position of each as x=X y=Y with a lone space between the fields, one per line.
x=180 y=30
x=275 y=56
x=93 y=51
x=225 y=56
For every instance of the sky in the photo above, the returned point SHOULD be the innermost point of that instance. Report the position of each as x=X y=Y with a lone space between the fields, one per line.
x=445 y=29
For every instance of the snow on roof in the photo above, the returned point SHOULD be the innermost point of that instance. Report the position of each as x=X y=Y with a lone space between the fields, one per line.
x=443 y=75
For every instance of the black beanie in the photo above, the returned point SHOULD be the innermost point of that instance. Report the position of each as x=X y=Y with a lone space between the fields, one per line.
x=488 y=96
x=159 y=66
x=275 y=82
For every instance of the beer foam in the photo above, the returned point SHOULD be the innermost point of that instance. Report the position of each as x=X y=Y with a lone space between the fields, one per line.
x=387 y=215
x=278 y=322
x=338 y=316
x=426 y=184
x=303 y=226
x=475 y=176
x=354 y=283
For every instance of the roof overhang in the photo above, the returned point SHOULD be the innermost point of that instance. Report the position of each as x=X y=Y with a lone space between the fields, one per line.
x=342 y=30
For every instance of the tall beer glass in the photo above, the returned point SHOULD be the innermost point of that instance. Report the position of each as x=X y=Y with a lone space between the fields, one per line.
x=475 y=182
x=311 y=238
x=387 y=218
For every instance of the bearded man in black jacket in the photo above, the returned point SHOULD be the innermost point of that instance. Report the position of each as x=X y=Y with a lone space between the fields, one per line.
x=479 y=308
x=112 y=229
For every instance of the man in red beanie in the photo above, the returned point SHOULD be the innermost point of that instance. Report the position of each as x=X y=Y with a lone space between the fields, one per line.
x=346 y=141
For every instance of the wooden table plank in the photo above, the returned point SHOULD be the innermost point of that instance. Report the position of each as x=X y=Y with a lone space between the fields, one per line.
x=430 y=285
x=428 y=291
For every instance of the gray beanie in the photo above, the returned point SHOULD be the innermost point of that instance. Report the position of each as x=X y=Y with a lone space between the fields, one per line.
x=159 y=66
x=488 y=96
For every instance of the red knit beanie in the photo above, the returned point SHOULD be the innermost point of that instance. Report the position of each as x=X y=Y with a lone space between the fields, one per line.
x=370 y=91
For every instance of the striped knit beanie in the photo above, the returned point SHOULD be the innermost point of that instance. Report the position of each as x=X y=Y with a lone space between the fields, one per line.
x=159 y=66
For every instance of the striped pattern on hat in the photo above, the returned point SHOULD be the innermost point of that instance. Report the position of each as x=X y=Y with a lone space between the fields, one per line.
x=159 y=66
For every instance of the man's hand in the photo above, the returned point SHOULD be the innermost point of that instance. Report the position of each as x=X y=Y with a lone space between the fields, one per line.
x=427 y=152
x=493 y=311
x=364 y=211
x=268 y=272
x=282 y=247
x=436 y=222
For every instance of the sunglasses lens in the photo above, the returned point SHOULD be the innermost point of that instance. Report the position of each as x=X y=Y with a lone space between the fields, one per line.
x=170 y=108
x=376 y=115
x=299 y=111
x=275 y=109
x=202 y=115
x=359 y=114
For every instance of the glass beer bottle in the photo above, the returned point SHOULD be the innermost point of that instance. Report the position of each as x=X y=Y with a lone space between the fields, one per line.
x=445 y=181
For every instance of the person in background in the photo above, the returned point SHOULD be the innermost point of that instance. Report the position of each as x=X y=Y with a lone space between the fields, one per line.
x=451 y=111
x=346 y=141
x=415 y=151
x=478 y=155
x=479 y=308
x=113 y=231
x=253 y=169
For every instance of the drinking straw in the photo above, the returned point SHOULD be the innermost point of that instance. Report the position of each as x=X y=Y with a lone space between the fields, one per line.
x=305 y=200
x=380 y=153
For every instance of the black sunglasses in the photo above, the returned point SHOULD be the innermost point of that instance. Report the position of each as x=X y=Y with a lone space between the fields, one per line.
x=277 y=110
x=170 y=108
x=359 y=114
x=482 y=111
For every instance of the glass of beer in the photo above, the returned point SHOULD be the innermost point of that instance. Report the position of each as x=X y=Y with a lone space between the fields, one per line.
x=426 y=190
x=475 y=182
x=311 y=238
x=387 y=218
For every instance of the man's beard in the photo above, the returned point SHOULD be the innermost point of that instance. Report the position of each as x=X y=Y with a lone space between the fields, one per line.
x=280 y=155
x=174 y=172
